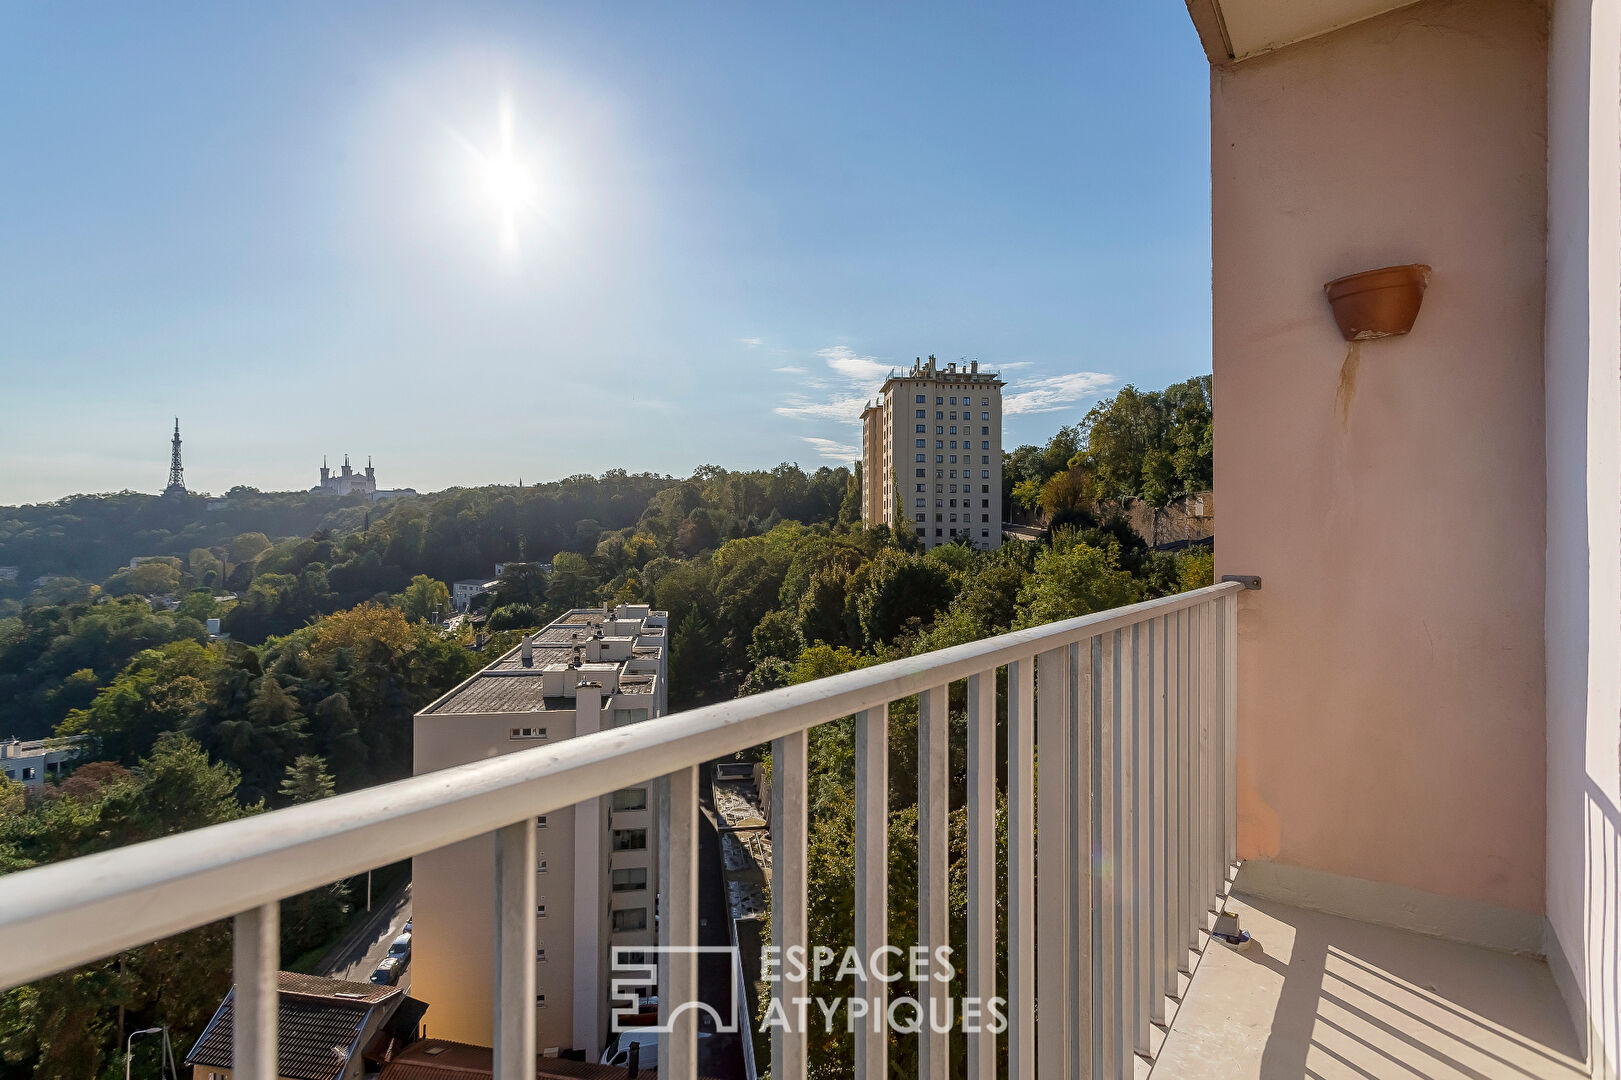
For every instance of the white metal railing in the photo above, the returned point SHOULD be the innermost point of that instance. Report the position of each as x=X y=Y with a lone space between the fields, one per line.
x=1131 y=710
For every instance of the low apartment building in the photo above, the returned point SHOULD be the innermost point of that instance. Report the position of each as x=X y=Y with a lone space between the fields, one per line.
x=463 y=592
x=596 y=863
x=33 y=761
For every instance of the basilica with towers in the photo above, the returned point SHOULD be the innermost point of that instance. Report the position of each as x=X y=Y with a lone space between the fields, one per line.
x=347 y=482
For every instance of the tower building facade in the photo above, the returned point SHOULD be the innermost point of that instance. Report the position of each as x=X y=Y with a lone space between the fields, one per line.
x=931 y=454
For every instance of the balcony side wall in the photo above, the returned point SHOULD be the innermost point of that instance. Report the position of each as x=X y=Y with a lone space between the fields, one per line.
x=1584 y=519
x=1391 y=672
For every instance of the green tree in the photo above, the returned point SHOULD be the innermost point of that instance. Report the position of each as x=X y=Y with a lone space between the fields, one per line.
x=425 y=598
x=775 y=636
x=64 y=1027
x=307 y=780
x=260 y=739
x=198 y=604
x=1151 y=444
x=520 y=583
x=573 y=584
x=1073 y=578
x=850 y=505
x=513 y=617
x=160 y=690
x=695 y=659
x=248 y=546
x=899 y=589
x=160 y=577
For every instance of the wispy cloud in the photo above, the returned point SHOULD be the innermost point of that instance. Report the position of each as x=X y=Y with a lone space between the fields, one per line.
x=849 y=382
x=833 y=451
x=751 y=342
x=864 y=369
x=1050 y=393
x=846 y=409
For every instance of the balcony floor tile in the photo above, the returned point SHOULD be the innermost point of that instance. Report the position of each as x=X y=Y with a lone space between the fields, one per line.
x=1324 y=998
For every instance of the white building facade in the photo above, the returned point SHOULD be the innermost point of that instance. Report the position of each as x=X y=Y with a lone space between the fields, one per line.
x=34 y=761
x=591 y=670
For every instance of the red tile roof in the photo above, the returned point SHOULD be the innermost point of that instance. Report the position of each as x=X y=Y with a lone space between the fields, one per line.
x=320 y=1021
x=439 y=1059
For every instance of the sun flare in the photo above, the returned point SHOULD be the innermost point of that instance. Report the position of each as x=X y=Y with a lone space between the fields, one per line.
x=507 y=183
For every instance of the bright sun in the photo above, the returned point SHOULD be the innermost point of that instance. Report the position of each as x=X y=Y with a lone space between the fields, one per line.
x=507 y=182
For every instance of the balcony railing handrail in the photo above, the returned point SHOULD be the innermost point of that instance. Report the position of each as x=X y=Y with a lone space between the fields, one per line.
x=59 y=916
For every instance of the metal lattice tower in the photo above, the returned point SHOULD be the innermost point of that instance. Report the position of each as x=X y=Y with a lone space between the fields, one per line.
x=177 y=476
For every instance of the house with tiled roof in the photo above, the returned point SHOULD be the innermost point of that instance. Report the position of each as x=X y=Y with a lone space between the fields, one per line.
x=324 y=1026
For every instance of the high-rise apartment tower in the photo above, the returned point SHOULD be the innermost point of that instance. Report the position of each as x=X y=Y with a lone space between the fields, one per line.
x=931 y=454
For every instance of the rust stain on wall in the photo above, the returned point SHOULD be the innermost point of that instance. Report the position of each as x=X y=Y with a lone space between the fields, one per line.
x=1347 y=388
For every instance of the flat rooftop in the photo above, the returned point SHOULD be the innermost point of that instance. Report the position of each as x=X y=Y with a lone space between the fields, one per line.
x=508 y=685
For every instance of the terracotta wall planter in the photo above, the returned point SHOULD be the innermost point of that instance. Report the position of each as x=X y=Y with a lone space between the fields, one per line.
x=1378 y=303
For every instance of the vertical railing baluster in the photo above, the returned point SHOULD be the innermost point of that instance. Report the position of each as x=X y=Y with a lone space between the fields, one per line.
x=1126 y=841
x=788 y=844
x=1142 y=824
x=678 y=926
x=1052 y=874
x=1213 y=832
x=933 y=879
x=1229 y=658
x=1021 y=859
x=1109 y=1001
x=1218 y=742
x=1191 y=919
x=514 y=1021
x=1200 y=756
x=1081 y=974
x=872 y=886
x=1175 y=949
x=982 y=905
x=256 y=960
x=1159 y=799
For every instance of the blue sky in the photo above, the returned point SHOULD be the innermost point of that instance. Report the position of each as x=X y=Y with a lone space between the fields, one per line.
x=282 y=223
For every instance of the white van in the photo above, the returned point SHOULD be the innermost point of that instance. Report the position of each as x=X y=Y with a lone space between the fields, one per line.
x=618 y=1052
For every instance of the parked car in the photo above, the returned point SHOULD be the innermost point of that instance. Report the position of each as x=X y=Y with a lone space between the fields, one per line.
x=389 y=971
x=401 y=946
x=618 y=1051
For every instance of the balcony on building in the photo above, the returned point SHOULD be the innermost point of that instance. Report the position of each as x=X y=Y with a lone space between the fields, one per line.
x=1396 y=762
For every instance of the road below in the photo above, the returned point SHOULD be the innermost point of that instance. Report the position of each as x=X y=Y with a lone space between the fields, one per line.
x=723 y=1060
x=362 y=954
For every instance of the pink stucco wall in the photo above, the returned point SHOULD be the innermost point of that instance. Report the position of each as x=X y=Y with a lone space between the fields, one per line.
x=1583 y=378
x=1391 y=672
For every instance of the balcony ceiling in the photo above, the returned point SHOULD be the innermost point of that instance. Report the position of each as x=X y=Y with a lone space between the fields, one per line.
x=1236 y=29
